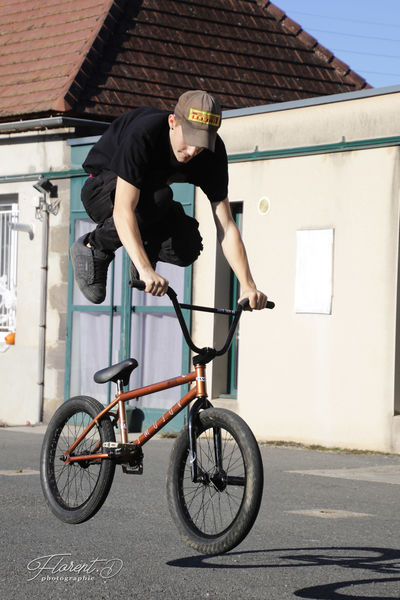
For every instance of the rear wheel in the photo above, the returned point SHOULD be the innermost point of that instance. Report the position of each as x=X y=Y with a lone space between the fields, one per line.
x=216 y=513
x=75 y=491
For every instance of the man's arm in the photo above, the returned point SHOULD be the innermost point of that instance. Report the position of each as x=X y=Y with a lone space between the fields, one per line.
x=235 y=253
x=126 y=200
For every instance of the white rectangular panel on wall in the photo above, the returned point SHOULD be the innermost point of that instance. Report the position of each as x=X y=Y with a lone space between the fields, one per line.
x=314 y=271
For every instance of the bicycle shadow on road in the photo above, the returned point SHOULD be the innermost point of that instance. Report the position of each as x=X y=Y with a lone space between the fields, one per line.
x=377 y=561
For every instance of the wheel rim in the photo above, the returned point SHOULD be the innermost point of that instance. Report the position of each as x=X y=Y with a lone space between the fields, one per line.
x=213 y=504
x=74 y=482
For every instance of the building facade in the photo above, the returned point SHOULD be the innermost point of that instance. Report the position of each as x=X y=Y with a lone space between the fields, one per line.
x=315 y=188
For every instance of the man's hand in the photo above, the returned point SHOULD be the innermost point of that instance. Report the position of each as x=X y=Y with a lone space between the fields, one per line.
x=257 y=299
x=156 y=285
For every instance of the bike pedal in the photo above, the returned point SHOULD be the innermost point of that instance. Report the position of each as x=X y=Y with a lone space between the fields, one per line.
x=129 y=455
x=121 y=449
x=133 y=469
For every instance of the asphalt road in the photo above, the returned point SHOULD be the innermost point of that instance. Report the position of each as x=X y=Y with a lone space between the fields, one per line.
x=329 y=528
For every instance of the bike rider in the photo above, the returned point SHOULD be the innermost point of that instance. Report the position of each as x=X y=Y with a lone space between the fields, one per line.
x=128 y=195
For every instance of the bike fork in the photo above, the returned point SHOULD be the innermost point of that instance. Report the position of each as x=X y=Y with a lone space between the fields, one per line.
x=201 y=404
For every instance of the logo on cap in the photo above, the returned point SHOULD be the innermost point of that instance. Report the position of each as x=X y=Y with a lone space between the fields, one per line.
x=204 y=117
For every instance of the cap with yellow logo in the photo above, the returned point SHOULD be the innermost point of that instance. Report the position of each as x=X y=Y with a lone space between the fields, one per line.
x=200 y=114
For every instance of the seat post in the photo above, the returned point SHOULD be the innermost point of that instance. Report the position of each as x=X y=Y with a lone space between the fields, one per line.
x=122 y=413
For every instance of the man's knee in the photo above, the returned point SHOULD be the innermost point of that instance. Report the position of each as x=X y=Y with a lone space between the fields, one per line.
x=189 y=244
x=184 y=244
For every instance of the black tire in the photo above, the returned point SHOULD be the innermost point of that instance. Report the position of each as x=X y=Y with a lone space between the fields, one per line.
x=215 y=515
x=76 y=491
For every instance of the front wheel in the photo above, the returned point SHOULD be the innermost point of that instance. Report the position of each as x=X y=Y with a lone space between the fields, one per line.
x=76 y=490
x=216 y=513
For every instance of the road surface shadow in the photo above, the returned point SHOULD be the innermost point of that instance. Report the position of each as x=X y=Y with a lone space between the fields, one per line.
x=384 y=562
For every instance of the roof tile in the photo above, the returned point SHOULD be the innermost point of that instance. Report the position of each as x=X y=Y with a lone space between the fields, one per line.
x=305 y=38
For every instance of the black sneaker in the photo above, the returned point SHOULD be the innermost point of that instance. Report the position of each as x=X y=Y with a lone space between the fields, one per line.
x=90 y=269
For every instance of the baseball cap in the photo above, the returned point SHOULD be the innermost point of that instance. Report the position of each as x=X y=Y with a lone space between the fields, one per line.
x=200 y=114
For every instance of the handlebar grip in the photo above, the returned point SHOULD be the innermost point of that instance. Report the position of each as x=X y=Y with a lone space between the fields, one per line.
x=138 y=284
x=245 y=304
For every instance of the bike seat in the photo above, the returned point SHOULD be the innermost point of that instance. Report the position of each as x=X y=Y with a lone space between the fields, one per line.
x=120 y=371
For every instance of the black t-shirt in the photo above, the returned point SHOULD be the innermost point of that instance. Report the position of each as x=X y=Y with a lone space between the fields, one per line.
x=136 y=147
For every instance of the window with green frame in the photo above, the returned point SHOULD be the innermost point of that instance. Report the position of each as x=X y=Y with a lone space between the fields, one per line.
x=127 y=323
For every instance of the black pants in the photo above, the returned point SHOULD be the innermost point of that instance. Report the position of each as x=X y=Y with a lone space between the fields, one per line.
x=167 y=232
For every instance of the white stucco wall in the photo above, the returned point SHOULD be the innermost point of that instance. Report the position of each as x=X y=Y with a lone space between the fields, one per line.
x=314 y=378
x=23 y=154
x=325 y=378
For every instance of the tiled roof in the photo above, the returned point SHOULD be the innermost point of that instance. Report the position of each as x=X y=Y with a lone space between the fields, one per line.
x=101 y=57
x=42 y=46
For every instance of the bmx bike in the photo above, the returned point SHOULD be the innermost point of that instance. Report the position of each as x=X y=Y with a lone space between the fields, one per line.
x=215 y=473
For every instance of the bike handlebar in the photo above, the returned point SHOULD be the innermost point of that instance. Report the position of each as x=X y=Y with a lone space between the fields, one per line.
x=207 y=353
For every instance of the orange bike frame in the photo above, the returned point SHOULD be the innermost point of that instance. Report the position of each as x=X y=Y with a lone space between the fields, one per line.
x=199 y=391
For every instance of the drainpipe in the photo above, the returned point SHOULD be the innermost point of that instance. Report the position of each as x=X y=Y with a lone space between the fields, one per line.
x=42 y=214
